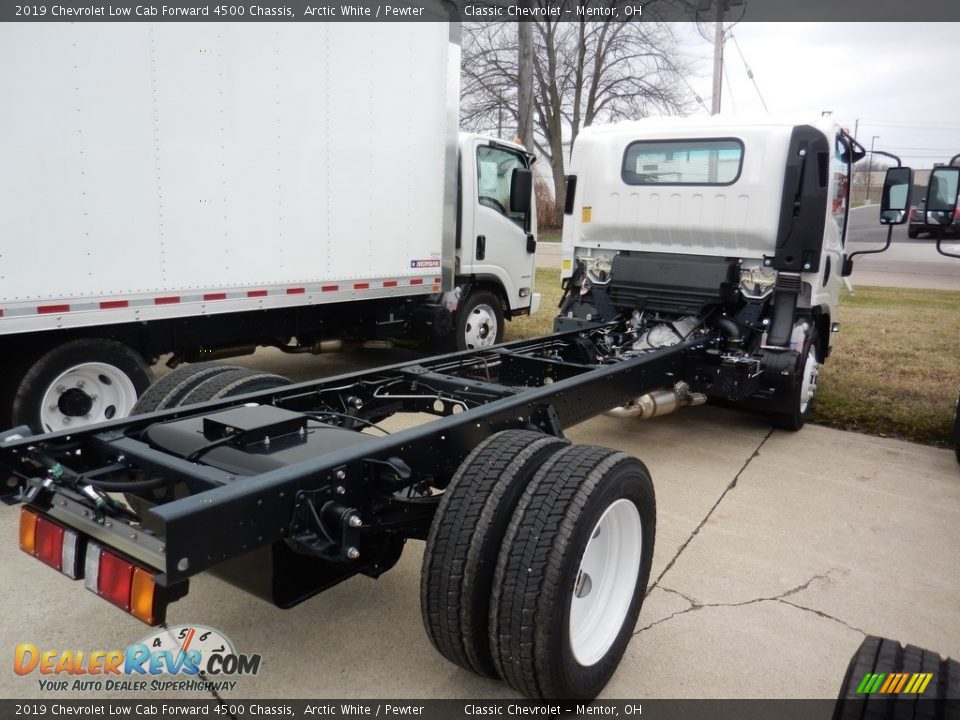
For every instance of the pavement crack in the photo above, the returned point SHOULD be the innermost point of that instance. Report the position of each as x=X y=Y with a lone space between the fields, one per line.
x=824 y=615
x=696 y=530
x=781 y=598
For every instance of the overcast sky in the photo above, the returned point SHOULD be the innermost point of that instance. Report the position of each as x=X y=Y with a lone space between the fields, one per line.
x=899 y=79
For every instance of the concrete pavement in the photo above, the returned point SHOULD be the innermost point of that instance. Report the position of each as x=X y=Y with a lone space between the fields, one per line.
x=775 y=553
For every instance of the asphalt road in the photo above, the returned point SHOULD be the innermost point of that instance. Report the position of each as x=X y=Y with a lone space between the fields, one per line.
x=908 y=263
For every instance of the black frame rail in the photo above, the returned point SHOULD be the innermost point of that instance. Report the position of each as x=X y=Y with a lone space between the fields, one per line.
x=474 y=394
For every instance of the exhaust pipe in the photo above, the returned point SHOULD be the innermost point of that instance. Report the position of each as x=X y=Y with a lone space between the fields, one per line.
x=659 y=402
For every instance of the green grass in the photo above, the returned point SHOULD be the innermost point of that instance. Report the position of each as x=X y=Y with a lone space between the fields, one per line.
x=895 y=366
x=547 y=283
x=551 y=236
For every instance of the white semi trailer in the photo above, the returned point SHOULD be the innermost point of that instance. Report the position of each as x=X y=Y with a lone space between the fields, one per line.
x=204 y=189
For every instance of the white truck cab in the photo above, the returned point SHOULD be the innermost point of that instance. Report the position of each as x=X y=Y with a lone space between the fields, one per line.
x=496 y=242
x=708 y=219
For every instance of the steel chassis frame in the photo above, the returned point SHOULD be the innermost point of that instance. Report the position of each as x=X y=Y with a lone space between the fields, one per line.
x=474 y=394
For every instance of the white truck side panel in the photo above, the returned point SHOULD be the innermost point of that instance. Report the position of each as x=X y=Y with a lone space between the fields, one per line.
x=140 y=159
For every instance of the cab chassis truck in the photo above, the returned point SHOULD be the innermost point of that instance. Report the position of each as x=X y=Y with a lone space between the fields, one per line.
x=538 y=552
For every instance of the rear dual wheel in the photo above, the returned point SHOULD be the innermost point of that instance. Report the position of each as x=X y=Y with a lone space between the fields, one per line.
x=555 y=543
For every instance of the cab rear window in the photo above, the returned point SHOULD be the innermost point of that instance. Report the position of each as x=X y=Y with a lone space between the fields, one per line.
x=715 y=161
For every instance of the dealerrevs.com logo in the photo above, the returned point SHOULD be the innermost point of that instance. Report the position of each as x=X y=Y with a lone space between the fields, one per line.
x=181 y=658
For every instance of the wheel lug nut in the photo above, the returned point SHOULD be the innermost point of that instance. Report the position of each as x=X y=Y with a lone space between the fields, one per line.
x=61 y=389
x=80 y=383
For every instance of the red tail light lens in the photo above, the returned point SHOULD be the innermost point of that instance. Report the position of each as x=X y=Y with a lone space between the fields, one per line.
x=913 y=213
x=115 y=580
x=49 y=543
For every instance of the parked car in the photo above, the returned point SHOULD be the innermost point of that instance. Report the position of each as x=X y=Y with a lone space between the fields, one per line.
x=918 y=222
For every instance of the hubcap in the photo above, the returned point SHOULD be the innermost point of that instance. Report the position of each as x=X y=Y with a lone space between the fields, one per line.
x=85 y=394
x=606 y=582
x=808 y=386
x=481 y=327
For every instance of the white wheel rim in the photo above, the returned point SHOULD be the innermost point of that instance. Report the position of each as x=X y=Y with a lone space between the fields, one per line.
x=808 y=386
x=87 y=393
x=606 y=582
x=480 y=329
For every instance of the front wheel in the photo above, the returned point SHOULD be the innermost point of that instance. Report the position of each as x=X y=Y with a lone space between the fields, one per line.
x=801 y=395
x=479 y=321
x=79 y=383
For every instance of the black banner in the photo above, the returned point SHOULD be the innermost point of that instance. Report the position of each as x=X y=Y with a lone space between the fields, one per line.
x=478 y=10
x=42 y=709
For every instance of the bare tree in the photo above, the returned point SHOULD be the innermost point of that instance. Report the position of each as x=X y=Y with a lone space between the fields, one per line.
x=584 y=72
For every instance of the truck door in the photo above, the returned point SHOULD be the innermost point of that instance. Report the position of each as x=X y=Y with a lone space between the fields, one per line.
x=500 y=247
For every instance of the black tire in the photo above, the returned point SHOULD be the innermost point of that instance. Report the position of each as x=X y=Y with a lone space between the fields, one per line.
x=171 y=388
x=231 y=383
x=461 y=552
x=884 y=656
x=104 y=397
x=538 y=571
x=479 y=311
x=798 y=414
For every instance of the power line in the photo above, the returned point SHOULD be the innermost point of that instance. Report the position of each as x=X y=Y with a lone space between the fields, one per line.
x=749 y=71
x=908 y=125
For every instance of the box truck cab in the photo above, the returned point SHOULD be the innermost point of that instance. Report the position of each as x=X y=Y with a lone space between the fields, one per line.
x=496 y=242
x=715 y=221
x=204 y=189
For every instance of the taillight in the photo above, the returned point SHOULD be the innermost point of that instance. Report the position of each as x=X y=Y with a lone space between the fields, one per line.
x=110 y=576
x=913 y=213
x=115 y=579
x=28 y=531
x=956 y=213
x=121 y=582
x=57 y=546
x=49 y=543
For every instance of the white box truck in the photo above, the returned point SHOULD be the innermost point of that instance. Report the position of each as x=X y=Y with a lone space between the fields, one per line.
x=202 y=189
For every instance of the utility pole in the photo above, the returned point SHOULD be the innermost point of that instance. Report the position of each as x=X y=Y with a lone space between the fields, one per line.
x=717 y=59
x=525 y=84
x=873 y=140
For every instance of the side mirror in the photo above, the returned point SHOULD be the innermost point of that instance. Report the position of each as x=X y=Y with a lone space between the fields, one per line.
x=942 y=195
x=521 y=190
x=895 y=199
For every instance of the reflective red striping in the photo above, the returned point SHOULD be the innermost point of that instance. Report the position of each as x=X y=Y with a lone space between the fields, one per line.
x=361 y=286
x=330 y=288
x=296 y=291
x=436 y=279
x=256 y=293
x=416 y=281
x=389 y=283
x=47 y=309
x=215 y=296
x=114 y=304
x=172 y=300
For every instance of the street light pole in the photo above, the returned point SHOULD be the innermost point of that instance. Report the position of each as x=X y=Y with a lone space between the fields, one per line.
x=873 y=140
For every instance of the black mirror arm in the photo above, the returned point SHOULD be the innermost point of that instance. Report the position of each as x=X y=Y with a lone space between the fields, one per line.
x=885 y=247
x=941 y=250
